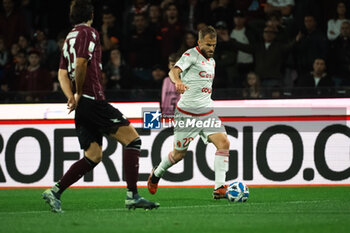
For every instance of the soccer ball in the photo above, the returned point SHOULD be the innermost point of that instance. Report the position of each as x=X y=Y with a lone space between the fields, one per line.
x=237 y=192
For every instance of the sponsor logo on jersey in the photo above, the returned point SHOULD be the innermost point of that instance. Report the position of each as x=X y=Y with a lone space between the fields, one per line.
x=206 y=90
x=204 y=74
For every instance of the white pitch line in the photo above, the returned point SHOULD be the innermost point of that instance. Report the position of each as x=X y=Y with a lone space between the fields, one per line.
x=231 y=205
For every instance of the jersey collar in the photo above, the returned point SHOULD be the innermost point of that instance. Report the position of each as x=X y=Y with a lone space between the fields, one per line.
x=201 y=53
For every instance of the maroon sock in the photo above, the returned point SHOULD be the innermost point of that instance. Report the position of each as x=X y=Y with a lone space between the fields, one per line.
x=75 y=172
x=131 y=168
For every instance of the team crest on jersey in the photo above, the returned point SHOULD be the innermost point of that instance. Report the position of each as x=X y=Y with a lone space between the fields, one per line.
x=186 y=54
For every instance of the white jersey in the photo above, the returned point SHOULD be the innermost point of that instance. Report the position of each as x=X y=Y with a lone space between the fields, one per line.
x=198 y=74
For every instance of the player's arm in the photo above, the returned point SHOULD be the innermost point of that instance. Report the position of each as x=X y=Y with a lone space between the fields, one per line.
x=65 y=84
x=174 y=75
x=80 y=72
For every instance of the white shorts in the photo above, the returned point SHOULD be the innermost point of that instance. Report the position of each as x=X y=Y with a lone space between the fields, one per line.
x=187 y=126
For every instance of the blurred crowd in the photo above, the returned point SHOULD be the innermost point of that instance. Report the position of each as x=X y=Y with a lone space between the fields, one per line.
x=261 y=43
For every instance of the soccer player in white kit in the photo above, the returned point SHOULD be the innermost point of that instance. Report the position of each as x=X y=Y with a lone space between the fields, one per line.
x=193 y=76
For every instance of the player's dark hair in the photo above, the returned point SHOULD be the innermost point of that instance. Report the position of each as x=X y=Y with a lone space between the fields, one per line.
x=210 y=30
x=81 y=11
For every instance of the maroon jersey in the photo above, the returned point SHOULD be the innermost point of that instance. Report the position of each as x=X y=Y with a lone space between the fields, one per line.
x=84 y=42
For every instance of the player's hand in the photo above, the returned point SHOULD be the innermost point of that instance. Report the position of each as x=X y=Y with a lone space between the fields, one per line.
x=181 y=87
x=71 y=104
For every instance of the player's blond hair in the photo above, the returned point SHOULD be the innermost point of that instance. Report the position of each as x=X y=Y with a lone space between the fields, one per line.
x=210 y=30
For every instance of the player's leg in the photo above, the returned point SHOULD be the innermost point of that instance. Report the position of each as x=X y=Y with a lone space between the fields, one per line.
x=131 y=141
x=182 y=139
x=222 y=145
x=167 y=162
x=87 y=118
x=92 y=156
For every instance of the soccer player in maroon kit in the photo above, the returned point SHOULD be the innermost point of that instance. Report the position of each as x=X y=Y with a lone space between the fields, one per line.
x=80 y=67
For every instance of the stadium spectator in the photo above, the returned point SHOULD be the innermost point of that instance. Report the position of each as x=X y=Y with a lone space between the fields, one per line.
x=13 y=71
x=308 y=7
x=165 y=3
x=200 y=26
x=118 y=74
x=252 y=86
x=245 y=35
x=158 y=75
x=141 y=52
x=171 y=32
x=189 y=41
x=339 y=58
x=194 y=11
x=3 y=61
x=313 y=44
x=253 y=9
x=285 y=7
x=24 y=43
x=316 y=21
x=155 y=18
x=12 y=23
x=333 y=29
x=35 y=78
x=275 y=20
x=221 y=11
x=44 y=45
x=225 y=58
x=137 y=7
x=53 y=59
x=3 y=54
x=170 y=96
x=269 y=57
x=13 y=51
x=110 y=33
x=318 y=78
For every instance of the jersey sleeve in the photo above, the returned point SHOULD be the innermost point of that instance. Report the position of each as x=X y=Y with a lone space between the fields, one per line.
x=85 y=44
x=186 y=60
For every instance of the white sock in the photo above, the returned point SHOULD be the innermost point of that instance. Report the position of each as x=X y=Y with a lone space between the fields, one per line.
x=220 y=167
x=164 y=165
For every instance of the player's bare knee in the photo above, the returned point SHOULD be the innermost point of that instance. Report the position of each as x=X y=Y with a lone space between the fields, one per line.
x=94 y=153
x=96 y=156
x=224 y=144
x=126 y=134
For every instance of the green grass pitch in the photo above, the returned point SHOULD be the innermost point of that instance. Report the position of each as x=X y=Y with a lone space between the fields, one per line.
x=269 y=209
